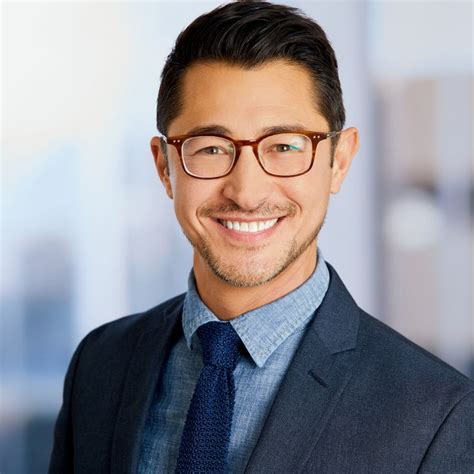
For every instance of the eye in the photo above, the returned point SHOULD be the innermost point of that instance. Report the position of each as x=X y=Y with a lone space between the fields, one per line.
x=282 y=147
x=211 y=150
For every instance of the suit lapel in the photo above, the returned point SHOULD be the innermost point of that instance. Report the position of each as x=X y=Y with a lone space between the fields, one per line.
x=143 y=374
x=312 y=385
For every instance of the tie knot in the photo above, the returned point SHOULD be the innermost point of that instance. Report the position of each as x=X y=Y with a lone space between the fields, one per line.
x=220 y=344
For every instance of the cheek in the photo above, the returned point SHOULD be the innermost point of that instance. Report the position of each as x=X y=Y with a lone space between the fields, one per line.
x=312 y=197
x=190 y=195
x=175 y=173
x=185 y=201
x=311 y=191
x=320 y=177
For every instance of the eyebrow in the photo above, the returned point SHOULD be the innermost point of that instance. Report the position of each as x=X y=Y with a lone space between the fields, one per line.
x=220 y=130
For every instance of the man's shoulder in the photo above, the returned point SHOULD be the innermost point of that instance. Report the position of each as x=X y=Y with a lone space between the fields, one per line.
x=126 y=329
x=402 y=365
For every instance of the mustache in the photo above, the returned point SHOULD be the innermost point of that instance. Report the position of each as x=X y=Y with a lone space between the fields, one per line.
x=262 y=210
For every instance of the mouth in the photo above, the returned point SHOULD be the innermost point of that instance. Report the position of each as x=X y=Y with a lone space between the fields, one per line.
x=251 y=227
x=248 y=230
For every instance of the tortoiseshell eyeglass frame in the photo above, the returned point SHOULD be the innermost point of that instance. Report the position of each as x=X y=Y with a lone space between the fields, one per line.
x=315 y=137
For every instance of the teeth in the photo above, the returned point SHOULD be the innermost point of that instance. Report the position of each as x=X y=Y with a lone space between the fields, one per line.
x=249 y=226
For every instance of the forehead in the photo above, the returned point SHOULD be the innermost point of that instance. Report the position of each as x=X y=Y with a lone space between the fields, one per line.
x=245 y=99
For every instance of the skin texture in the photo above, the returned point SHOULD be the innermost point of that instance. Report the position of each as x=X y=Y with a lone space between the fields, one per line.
x=235 y=276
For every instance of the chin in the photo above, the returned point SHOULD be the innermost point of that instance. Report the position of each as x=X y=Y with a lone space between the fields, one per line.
x=237 y=278
x=246 y=272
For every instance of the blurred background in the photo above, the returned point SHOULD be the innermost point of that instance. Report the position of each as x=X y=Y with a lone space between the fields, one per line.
x=88 y=234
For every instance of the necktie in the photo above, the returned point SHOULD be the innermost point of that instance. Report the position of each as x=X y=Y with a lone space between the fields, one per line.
x=206 y=434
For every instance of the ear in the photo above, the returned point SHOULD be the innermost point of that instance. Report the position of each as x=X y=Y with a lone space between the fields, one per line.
x=347 y=147
x=162 y=165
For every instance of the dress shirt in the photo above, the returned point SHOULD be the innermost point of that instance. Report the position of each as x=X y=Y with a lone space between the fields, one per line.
x=271 y=335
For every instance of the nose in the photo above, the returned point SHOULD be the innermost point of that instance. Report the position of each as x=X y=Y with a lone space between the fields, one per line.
x=247 y=185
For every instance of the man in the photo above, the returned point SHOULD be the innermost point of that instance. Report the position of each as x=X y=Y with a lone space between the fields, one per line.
x=266 y=363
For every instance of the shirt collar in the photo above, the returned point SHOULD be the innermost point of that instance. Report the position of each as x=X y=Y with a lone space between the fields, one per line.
x=263 y=329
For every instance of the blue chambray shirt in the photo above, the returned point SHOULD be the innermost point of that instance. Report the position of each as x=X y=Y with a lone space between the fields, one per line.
x=271 y=334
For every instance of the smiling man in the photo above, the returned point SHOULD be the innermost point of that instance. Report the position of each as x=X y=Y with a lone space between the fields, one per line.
x=266 y=363
x=254 y=221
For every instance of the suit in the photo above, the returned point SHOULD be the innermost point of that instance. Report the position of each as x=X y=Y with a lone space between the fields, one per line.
x=358 y=397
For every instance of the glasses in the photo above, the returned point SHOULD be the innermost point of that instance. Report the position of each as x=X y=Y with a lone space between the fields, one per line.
x=279 y=154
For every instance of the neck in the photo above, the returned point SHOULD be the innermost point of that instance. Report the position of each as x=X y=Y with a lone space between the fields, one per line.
x=227 y=301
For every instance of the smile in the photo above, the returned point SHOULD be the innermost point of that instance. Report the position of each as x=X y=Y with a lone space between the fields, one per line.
x=248 y=227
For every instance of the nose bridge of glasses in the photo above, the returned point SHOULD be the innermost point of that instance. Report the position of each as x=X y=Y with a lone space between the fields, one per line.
x=239 y=144
x=253 y=144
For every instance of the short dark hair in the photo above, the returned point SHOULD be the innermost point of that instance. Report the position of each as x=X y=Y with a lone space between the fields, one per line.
x=249 y=34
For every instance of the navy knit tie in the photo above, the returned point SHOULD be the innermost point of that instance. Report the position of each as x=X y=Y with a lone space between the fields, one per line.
x=206 y=434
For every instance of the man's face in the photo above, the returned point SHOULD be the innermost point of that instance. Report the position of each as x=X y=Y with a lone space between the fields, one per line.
x=246 y=102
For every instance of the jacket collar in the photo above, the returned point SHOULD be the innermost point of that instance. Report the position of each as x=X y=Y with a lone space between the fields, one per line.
x=312 y=386
x=161 y=330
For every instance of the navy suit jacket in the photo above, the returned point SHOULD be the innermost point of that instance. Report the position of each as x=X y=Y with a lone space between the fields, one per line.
x=358 y=397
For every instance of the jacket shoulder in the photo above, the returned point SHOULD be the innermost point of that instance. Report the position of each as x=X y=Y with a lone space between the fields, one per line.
x=397 y=359
x=128 y=328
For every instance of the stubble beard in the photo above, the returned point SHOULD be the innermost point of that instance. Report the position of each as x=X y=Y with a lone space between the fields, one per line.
x=233 y=274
